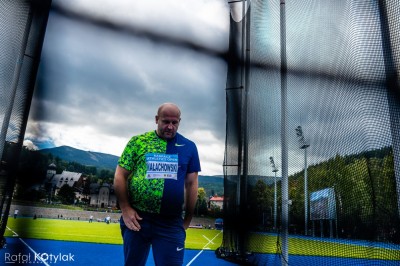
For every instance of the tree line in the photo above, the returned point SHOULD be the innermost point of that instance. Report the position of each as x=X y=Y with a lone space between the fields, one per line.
x=365 y=194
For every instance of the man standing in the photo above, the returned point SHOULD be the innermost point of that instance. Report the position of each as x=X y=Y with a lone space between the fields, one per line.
x=156 y=183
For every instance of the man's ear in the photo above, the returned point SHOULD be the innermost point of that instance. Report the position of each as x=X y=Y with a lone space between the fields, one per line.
x=156 y=118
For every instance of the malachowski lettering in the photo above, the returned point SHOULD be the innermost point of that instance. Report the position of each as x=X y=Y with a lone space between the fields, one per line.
x=162 y=167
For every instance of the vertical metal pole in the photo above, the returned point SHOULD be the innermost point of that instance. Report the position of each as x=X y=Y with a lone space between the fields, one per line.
x=275 y=202
x=246 y=84
x=284 y=148
x=305 y=193
x=393 y=92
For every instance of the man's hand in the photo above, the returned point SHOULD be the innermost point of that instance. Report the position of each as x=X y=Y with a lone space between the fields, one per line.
x=131 y=218
x=186 y=221
x=129 y=215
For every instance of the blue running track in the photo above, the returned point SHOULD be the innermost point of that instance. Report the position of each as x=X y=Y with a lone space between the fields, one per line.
x=50 y=252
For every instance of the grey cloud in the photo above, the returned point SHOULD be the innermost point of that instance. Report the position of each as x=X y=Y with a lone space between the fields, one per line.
x=114 y=83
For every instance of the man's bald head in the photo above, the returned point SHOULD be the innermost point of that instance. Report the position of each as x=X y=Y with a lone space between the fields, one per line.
x=167 y=120
x=169 y=107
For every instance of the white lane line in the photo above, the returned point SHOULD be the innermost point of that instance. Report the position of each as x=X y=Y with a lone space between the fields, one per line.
x=15 y=234
x=195 y=257
x=205 y=246
x=209 y=241
x=31 y=249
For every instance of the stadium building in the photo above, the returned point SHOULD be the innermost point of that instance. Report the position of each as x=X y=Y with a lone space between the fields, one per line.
x=102 y=196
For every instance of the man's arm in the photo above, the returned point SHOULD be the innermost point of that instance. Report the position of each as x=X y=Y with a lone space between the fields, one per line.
x=129 y=215
x=191 y=187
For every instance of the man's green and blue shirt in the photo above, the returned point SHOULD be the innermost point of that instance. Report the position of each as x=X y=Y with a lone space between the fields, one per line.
x=159 y=168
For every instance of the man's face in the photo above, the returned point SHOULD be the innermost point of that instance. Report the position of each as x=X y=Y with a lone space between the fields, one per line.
x=167 y=123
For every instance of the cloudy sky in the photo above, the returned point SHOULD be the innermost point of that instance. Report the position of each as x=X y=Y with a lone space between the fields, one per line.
x=97 y=87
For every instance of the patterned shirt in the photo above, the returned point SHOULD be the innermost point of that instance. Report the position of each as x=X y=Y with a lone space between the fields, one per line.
x=159 y=168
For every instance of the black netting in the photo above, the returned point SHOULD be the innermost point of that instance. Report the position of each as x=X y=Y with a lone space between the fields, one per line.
x=339 y=78
x=22 y=27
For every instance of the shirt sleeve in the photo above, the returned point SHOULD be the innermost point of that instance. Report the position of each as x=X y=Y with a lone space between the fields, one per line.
x=194 y=163
x=126 y=159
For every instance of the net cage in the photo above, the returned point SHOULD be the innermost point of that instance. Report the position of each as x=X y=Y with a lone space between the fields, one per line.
x=312 y=136
x=312 y=157
x=22 y=27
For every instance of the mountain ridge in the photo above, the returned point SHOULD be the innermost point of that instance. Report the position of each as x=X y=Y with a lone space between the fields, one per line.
x=91 y=158
x=88 y=158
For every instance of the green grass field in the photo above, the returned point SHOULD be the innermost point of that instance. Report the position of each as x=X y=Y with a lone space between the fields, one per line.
x=100 y=232
x=97 y=232
x=312 y=247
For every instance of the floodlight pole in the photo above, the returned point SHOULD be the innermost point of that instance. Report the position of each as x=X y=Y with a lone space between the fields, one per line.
x=274 y=169
x=304 y=145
